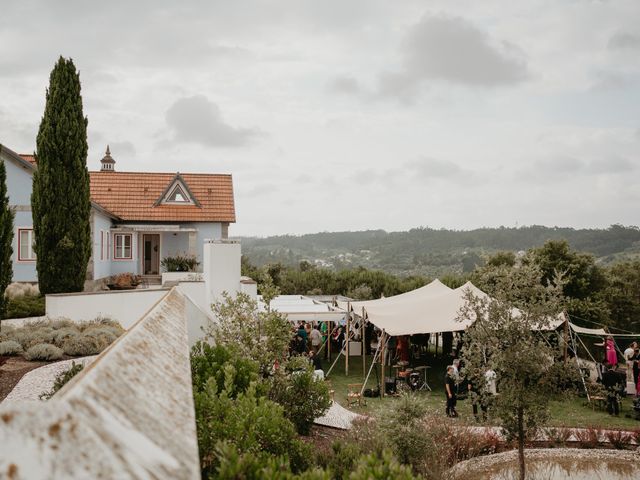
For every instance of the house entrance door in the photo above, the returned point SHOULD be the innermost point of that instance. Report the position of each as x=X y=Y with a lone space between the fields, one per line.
x=151 y=254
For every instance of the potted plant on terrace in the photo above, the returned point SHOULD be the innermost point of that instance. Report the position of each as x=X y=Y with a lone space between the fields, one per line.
x=124 y=281
x=180 y=263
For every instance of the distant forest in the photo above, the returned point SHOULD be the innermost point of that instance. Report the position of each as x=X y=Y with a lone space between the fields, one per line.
x=431 y=252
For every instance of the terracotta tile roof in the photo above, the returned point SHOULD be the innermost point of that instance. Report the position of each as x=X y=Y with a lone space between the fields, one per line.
x=29 y=158
x=132 y=195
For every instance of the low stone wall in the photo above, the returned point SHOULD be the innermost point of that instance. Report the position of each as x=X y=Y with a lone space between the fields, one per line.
x=129 y=415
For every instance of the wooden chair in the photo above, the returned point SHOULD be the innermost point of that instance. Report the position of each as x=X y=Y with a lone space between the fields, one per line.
x=354 y=396
x=332 y=392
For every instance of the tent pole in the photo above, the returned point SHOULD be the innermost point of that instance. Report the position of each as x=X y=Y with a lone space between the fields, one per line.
x=338 y=357
x=364 y=355
x=575 y=352
x=346 y=357
x=566 y=338
x=373 y=363
x=383 y=341
x=329 y=332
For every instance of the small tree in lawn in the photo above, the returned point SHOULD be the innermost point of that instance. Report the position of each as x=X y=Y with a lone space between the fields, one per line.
x=6 y=238
x=507 y=340
x=262 y=336
x=60 y=199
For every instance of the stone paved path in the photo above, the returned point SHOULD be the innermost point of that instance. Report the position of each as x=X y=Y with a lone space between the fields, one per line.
x=41 y=380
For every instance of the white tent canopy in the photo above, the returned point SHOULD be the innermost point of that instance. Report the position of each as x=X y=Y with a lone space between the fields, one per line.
x=300 y=308
x=433 y=308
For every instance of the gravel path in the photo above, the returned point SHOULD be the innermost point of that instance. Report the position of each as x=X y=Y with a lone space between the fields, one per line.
x=41 y=380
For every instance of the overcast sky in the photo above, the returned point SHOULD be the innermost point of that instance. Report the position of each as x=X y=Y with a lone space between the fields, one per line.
x=352 y=114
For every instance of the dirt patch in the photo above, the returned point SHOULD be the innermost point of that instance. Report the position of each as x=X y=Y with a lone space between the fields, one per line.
x=12 y=369
x=321 y=437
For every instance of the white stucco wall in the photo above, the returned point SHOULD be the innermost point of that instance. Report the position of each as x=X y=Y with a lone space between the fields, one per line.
x=221 y=269
x=196 y=291
x=102 y=250
x=123 y=266
x=19 y=181
x=126 y=306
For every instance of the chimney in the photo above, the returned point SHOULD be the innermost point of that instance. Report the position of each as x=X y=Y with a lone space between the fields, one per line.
x=108 y=163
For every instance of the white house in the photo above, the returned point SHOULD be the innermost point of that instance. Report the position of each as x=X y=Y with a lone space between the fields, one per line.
x=137 y=218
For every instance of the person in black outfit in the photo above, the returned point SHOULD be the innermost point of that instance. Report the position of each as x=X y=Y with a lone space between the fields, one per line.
x=450 y=392
x=611 y=381
x=315 y=360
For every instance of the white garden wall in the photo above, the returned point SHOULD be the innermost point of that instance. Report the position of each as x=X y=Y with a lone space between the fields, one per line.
x=125 y=306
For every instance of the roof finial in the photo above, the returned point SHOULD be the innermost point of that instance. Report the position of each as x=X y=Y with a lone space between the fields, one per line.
x=107 y=162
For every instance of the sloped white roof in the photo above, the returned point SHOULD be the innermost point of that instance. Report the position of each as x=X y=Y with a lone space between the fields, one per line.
x=300 y=308
x=433 y=308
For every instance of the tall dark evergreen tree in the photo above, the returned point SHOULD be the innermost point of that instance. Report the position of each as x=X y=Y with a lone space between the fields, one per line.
x=60 y=199
x=6 y=238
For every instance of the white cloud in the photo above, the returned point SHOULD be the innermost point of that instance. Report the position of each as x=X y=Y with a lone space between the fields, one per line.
x=198 y=120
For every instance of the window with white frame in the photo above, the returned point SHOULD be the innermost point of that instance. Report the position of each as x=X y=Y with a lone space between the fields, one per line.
x=122 y=246
x=26 y=252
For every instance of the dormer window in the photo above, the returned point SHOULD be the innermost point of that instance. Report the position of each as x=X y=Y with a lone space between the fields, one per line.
x=177 y=193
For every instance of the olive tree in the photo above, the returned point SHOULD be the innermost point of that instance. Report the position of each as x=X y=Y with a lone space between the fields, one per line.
x=262 y=336
x=506 y=338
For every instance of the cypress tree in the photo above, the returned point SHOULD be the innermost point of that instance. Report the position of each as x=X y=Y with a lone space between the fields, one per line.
x=6 y=238
x=60 y=200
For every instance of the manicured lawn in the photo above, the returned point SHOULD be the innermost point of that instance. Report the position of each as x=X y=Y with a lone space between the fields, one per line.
x=569 y=412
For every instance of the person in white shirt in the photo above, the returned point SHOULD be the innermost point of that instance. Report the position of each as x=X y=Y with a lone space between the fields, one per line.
x=628 y=357
x=316 y=339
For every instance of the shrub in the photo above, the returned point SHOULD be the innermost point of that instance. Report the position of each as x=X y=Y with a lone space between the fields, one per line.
x=19 y=289
x=303 y=397
x=81 y=345
x=61 y=380
x=31 y=334
x=403 y=429
x=220 y=363
x=44 y=351
x=618 y=439
x=635 y=434
x=25 y=306
x=60 y=323
x=180 y=263
x=231 y=464
x=103 y=336
x=557 y=436
x=64 y=334
x=588 y=437
x=341 y=459
x=10 y=347
x=253 y=424
x=373 y=467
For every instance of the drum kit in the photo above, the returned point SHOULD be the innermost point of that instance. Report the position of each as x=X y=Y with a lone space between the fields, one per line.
x=413 y=379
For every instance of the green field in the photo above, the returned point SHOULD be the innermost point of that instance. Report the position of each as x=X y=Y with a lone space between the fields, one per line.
x=566 y=412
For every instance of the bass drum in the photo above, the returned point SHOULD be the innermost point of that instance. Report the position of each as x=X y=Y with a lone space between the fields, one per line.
x=414 y=381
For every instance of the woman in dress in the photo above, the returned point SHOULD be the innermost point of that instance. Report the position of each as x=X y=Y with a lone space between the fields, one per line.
x=610 y=349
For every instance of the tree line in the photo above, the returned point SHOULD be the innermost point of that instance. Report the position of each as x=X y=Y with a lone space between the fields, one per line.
x=434 y=252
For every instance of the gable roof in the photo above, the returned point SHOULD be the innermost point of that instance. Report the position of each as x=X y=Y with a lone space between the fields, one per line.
x=29 y=157
x=16 y=158
x=132 y=196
